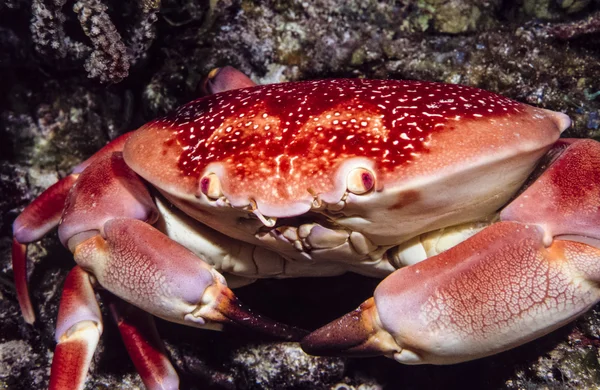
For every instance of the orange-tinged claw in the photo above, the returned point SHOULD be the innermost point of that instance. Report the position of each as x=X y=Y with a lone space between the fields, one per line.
x=358 y=333
x=226 y=308
x=144 y=267
x=499 y=289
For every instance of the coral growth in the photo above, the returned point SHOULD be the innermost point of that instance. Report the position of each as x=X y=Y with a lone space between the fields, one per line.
x=108 y=58
x=566 y=31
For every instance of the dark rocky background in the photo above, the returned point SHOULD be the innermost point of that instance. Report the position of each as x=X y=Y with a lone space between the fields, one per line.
x=75 y=74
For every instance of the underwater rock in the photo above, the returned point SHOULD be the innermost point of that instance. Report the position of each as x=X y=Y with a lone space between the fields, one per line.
x=285 y=365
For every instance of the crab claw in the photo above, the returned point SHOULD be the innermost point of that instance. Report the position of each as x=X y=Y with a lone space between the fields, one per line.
x=139 y=264
x=358 y=333
x=511 y=283
x=499 y=289
x=228 y=309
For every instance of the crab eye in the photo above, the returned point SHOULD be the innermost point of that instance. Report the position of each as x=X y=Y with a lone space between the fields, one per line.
x=211 y=186
x=360 y=181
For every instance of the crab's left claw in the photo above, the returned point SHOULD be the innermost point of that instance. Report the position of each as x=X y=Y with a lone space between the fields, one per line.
x=511 y=283
x=499 y=289
x=358 y=333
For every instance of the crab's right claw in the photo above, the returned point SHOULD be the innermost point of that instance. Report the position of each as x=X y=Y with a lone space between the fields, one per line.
x=141 y=265
x=511 y=283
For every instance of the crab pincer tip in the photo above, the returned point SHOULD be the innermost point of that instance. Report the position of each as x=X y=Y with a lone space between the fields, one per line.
x=237 y=313
x=354 y=334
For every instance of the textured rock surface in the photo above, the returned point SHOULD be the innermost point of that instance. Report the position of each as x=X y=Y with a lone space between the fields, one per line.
x=52 y=116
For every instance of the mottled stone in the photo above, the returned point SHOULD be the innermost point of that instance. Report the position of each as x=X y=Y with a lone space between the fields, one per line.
x=14 y=356
x=285 y=365
x=574 y=362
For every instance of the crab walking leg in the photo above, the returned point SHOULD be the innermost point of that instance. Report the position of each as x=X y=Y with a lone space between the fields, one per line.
x=78 y=330
x=512 y=282
x=144 y=346
x=41 y=216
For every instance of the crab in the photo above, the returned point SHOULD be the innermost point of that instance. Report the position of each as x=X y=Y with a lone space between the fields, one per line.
x=422 y=184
